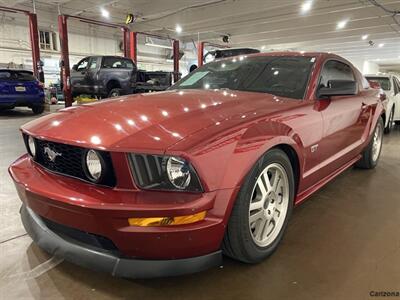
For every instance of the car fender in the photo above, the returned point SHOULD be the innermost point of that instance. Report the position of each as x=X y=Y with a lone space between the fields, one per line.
x=223 y=161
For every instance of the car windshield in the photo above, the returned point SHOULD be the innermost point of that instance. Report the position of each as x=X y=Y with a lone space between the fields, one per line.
x=383 y=81
x=285 y=76
x=12 y=75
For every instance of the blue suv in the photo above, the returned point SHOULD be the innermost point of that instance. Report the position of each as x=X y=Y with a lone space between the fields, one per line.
x=21 y=88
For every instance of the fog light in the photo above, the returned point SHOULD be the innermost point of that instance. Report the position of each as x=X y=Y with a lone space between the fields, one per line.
x=167 y=221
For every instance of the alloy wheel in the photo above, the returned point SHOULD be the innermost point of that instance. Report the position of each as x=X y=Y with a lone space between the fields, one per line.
x=269 y=205
x=377 y=142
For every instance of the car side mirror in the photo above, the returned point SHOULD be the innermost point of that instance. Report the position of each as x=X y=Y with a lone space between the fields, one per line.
x=74 y=67
x=338 y=88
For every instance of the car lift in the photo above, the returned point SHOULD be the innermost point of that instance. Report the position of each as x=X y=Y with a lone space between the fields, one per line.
x=129 y=42
x=175 y=46
x=34 y=39
x=200 y=51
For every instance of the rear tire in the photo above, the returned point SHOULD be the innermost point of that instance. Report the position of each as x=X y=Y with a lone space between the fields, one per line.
x=371 y=154
x=37 y=110
x=115 y=92
x=389 y=126
x=249 y=237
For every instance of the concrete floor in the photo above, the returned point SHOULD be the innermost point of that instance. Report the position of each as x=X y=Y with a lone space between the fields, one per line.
x=341 y=244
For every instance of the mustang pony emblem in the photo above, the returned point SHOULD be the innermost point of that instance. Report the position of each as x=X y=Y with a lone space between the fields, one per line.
x=52 y=155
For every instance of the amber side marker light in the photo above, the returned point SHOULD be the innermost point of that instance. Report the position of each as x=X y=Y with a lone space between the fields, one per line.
x=167 y=221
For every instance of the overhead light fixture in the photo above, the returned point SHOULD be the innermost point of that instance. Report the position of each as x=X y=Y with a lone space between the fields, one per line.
x=364 y=37
x=105 y=13
x=306 y=6
x=262 y=47
x=381 y=45
x=178 y=28
x=341 y=24
x=157 y=45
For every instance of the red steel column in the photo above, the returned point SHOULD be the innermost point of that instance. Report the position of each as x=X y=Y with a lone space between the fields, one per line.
x=176 y=60
x=133 y=46
x=65 y=69
x=126 y=41
x=34 y=37
x=200 y=53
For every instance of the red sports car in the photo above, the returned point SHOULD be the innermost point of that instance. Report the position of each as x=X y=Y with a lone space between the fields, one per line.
x=165 y=183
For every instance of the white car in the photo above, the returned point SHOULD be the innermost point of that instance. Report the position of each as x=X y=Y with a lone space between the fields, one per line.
x=391 y=85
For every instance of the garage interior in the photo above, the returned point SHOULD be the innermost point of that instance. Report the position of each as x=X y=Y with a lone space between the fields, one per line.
x=342 y=243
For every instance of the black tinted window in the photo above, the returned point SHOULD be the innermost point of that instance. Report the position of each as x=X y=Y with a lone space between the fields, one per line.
x=117 y=63
x=335 y=70
x=383 y=81
x=82 y=65
x=17 y=75
x=285 y=76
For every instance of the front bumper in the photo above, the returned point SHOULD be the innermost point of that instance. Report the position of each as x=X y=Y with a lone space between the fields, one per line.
x=103 y=212
x=107 y=262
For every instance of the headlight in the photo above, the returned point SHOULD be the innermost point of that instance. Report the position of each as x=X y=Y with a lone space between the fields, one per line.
x=31 y=146
x=178 y=172
x=94 y=165
x=157 y=172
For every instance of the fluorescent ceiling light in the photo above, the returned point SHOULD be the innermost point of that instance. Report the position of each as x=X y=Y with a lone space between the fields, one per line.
x=105 y=13
x=341 y=24
x=178 y=28
x=306 y=6
x=157 y=45
x=381 y=45
x=364 y=37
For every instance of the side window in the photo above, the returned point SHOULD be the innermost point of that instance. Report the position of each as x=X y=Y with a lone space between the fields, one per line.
x=82 y=65
x=93 y=63
x=335 y=70
x=117 y=63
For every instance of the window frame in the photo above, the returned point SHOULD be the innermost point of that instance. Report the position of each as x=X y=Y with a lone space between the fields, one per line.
x=52 y=44
x=80 y=62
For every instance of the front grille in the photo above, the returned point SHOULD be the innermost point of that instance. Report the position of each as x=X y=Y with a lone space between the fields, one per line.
x=76 y=235
x=69 y=161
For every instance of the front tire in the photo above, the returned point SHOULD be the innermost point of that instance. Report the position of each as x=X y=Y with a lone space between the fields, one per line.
x=262 y=209
x=371 y=154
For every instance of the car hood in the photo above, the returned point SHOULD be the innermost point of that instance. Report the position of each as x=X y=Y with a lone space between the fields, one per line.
x=153 y=121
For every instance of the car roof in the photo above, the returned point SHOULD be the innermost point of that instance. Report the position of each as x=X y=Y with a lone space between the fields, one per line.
x=16 y=70
x=378 y=75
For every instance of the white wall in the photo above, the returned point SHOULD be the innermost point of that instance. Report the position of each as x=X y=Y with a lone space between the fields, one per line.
x=365 y=66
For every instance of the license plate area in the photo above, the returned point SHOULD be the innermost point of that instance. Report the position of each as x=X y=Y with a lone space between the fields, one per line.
x=20 y=89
